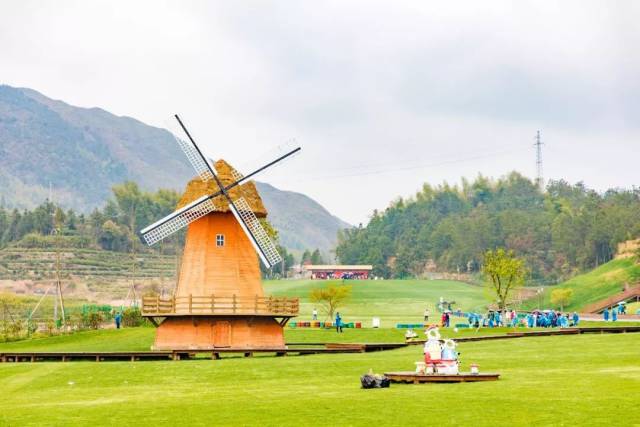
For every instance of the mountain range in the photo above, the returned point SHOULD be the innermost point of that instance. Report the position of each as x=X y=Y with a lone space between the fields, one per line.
x=82 y=152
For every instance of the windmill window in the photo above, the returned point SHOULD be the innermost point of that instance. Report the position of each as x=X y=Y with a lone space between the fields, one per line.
x=219 y=240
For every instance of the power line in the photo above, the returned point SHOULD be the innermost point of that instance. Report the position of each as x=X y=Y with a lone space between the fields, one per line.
x=414 y=167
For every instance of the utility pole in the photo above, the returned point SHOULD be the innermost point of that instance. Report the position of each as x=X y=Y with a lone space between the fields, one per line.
x=539 y=178
x=57 y=230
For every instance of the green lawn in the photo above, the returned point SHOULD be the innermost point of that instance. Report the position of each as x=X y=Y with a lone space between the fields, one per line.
x=393 y=301
x=600 y=283
x=140 y=339
x=563 y=380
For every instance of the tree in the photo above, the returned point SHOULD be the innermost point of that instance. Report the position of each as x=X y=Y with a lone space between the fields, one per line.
x=316 y=258
x=505 y=272
x=331 y=297
x=561 y=297
x=112 y=237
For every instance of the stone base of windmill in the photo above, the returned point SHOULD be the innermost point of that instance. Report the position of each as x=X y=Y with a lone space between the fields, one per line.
x=212 y=332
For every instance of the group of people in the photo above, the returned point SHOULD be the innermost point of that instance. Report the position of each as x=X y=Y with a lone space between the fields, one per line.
x=552 y=319
x=539 y=319
x=493 y=319
x=612 y=314
x=446 y=319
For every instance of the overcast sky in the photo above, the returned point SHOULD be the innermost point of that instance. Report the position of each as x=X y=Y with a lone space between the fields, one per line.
x=382 y=96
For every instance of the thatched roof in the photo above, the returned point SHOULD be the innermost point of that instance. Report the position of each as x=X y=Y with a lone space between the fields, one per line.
x=197 y=188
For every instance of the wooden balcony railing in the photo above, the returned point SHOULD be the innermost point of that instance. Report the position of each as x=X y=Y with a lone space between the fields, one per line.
x=219 y=305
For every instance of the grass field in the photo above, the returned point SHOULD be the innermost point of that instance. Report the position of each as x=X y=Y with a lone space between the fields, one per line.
x=392 y=300
x=597 y=284
x=141 y=339
x=563 y=380
x=560 y=380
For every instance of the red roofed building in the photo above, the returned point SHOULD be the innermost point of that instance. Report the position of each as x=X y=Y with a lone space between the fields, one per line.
x=359 y=272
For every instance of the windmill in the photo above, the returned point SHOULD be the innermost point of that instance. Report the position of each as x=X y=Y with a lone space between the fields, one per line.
x=218 y=300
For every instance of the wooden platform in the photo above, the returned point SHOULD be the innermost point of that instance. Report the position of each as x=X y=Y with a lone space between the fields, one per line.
x=182 y=354
x=543 y=333
x=463 y=377
x=365 y=347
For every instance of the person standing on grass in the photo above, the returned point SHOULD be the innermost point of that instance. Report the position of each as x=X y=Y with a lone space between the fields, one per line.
x=338 y=322
x=314 y=314
x=576 y=319
x=118 y=319
x=605 y=314
x=426 y=314
x=614 y=314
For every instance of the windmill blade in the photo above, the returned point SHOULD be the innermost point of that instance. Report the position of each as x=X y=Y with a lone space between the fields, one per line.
x=245 y=216
x=200 y=163
x=255 y=232
x=200 y=207
x=177 y=220
x=280 y=153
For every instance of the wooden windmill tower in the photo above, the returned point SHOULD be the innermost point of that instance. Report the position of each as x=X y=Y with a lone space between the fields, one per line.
x=219 y=301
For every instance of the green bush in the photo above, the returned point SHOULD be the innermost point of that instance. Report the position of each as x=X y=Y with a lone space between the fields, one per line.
x=92 y=319
x=132 y=317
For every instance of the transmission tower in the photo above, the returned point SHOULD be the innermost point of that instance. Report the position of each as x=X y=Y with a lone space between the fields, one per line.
x=539 y=178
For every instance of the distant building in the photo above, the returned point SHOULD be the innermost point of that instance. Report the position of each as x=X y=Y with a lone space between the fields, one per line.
x=338 y=271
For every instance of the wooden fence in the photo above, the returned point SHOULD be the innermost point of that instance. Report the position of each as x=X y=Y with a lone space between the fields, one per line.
x=220 y=305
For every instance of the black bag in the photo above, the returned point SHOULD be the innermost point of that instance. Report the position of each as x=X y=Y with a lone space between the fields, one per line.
x=368 y=381
x=371 y=381
x=382 y=382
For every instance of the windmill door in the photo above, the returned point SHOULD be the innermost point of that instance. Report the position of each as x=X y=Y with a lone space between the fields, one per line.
x=222 y=334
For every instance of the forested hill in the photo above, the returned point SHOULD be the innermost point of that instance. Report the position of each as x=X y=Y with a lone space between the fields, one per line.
x=561 y=231
x=80 y=152
x=83 y=152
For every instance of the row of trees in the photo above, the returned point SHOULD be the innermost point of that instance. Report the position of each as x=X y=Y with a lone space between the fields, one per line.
x=114 y=227
x=558 y=232
x=314 y=258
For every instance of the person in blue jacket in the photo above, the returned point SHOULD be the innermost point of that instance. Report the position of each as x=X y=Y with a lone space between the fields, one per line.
x=576 y=319
x=118 y=320
x=614 y=314
x=338 y=322
x=605 y=314
x=530 y=320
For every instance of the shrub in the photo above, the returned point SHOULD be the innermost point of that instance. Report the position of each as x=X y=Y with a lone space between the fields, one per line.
x=92 y=319
x=132 y=317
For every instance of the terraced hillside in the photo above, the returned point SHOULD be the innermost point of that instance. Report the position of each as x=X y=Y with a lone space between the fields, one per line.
x=93 y=274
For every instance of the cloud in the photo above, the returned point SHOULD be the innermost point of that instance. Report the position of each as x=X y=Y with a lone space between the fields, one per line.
x=359 y=84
